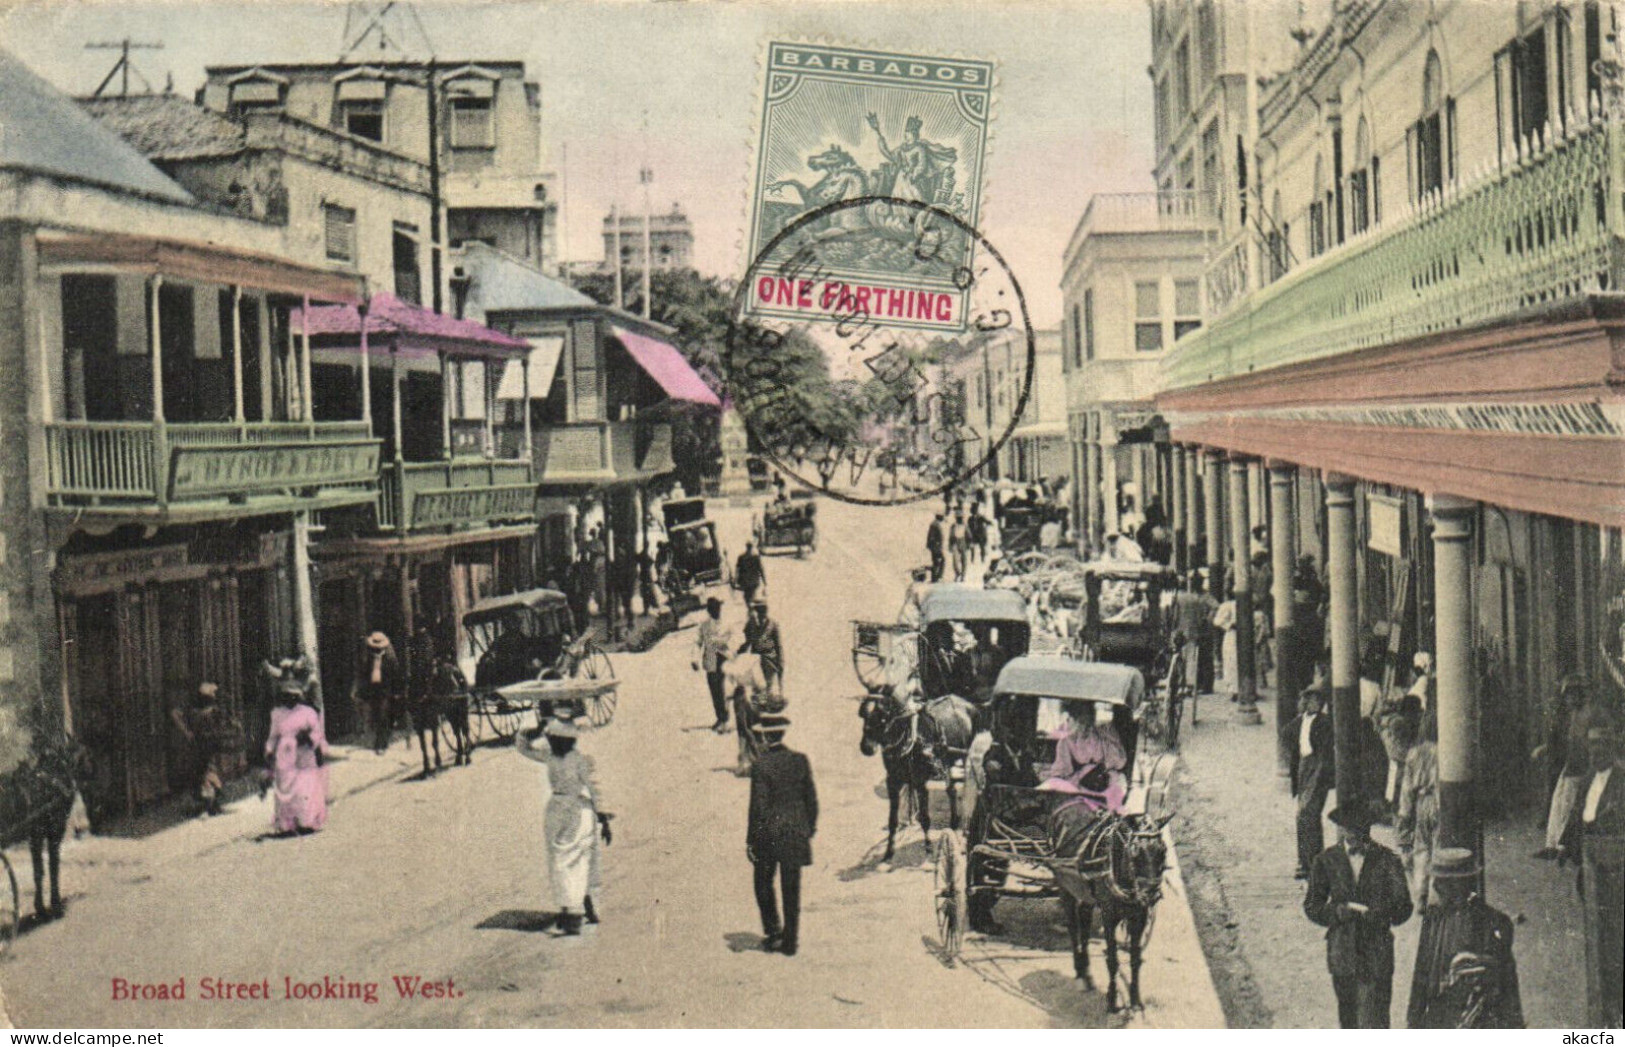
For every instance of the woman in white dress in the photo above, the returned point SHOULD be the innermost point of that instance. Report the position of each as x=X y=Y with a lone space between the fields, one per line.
x=1224 y=619
x=575 y=820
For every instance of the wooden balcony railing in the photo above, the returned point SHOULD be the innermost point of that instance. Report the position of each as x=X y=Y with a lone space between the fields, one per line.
x=585 y=452
x=1542 y=228
x=461 y=492
x=150 y=466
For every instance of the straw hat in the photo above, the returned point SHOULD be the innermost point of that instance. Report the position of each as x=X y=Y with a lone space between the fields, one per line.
x=377 y=640
x=771 y=725
x=1453 y=863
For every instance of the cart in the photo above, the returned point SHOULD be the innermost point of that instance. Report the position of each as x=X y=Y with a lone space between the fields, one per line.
x=526 y=638
x=1008 y=850
x=698 y=559
x=787 y=524
x=949 y=639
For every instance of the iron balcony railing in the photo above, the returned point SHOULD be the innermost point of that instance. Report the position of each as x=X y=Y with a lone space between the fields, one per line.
x=146 y=465
x=1540 y=228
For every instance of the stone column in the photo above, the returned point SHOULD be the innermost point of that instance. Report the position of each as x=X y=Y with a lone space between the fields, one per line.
x=1457 y=704
x=1091 y=485
x=1290 y=669
x=1193 y=509
x=1176 y=507
x=1343 y=625
x=1213 y=495
x=1241 y=592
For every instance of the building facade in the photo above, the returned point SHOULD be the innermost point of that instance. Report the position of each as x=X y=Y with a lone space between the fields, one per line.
x=670 y=236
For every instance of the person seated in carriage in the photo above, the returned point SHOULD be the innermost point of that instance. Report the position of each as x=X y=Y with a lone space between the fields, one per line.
x=1090 y=763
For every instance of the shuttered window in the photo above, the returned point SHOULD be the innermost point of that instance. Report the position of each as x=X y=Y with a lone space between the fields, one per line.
x=472 y=124
x=340 y=232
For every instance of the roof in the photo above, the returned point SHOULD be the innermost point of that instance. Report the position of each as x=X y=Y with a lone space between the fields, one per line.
x=1051 y=676
x=168 y=127
x=503 y=283
x=970 y=604
x=497 y=606
x=44 y=131
x=667 y=367
x=410 y=326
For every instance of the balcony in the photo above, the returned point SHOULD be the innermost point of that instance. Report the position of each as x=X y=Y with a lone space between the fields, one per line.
x=461 y=492
x=185 y=471
x=594 y=453
x=1144 y=213
x=1539 y=230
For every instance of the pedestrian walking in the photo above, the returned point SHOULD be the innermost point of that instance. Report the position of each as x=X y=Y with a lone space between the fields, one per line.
x=1224 y=621
x=296 y=761
x=1357 y=892
x=1465 y=975
x=1193 y=611
x=646 y=581
x=1416 y=824
x=425 y=705
x=749 y=574
x=598 y=567
x=378 y=686
x=778 y=840
x=976 y=533
x=1566 y=750
x=762 y=638
x=934 y=539
x=958 y=542
x=1595 y=840
x=575 y=821
x=212 y=734
x=1311 y=769
x=710 y=652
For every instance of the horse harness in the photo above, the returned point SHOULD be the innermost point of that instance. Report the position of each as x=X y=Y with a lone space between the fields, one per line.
x=1098 y=861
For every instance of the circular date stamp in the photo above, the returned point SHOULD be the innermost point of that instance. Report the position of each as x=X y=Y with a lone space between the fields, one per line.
x=879 y=351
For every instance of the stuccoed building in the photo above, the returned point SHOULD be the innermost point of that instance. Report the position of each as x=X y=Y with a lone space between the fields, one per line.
x=1413 y=337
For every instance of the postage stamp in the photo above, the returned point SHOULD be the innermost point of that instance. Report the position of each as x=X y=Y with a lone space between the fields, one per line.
x=844 y=124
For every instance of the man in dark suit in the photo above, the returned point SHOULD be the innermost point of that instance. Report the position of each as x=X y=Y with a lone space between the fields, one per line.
x=1357 y=890
x=1593 y=840
x=762 y=639
x=749 y=573
x=1465 y=975
x=1308 y=741
x=933 y=545
x=783 y=819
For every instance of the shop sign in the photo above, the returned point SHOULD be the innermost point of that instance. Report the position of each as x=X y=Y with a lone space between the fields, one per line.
x=1384 y=517
x=202 y=471
x=110 y=570
x=472 y=505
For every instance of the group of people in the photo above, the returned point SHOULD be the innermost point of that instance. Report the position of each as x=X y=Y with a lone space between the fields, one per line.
x=428 y=688
x=960 y=541
x=593 y=582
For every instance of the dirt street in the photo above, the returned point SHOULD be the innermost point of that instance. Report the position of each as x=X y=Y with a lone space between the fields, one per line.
x=445 y=880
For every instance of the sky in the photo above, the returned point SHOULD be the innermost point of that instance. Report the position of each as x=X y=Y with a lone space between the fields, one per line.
x=676 y=86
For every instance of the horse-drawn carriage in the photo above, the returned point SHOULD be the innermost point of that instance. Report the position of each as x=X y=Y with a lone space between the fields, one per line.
x=950 y=639
x=1049 y=823
x=790 y=523
x=529 y=660
x=697 y=560
x=1125 y=621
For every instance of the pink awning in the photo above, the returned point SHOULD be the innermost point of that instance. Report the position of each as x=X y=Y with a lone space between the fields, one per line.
x=411 y=326
x=666 y=366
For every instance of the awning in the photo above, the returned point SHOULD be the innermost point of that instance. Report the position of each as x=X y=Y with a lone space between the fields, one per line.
x=205 y=263
x=403 y=326
x=666 y=366
x=545 y=351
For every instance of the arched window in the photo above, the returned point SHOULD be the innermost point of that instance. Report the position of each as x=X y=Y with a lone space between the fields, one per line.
x=1278 y=247
x=1365 y=207
x=1433 y=136
x=1317 y=210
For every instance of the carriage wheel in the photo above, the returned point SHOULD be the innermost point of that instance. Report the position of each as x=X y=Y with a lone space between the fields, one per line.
x=871 y=669
x=504 y=718
x=594 y=664
x=10 y=906
x=953 y=907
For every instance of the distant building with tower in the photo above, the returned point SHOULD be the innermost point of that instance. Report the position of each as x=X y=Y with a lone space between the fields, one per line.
x=671 y=240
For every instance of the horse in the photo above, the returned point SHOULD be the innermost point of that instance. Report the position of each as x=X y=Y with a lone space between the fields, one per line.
x=1116 y=865
x=37 y=800
x=917 y=742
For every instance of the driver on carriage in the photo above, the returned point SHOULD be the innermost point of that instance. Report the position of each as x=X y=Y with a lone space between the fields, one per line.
x=1090 y=763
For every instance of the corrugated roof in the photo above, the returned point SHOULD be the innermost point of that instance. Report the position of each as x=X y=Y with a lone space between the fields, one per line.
x=43 y=130
x=502 y=282
x=168 y=127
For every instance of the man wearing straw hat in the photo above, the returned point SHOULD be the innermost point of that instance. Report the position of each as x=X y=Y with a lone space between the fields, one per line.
x=1595 y=840
x=783 y=819
x=378 y=686
x=575 y=819
x=1465 y=975
x=1357 y=891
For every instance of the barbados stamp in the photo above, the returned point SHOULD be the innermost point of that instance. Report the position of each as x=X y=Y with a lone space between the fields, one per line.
x=841 y=125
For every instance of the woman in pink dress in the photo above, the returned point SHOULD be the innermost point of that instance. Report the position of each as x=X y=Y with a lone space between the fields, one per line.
x=1090 y=763
x=296 y=754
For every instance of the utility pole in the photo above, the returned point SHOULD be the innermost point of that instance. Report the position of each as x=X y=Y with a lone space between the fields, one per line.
x=434 y=180
x=647 y=175
x=122 y=67
x=615 y=253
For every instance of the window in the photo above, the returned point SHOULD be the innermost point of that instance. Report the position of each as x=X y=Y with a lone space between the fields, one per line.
x=472 y=126
x=1089 y=324
x=1432 y=138
x=255 y=95
x=1317 y=211
x=1361 y=190
x=1276 y=246
x=1182 y=81
x=1160 y=100
x=363 y=119
x=1210 y=161
x=1077 y=336
x=340 y=232
x=1148 y=316
x=358 y=107
x=408 y=281
x=1187 y=172
x=1187 y=307
x=1207 y=47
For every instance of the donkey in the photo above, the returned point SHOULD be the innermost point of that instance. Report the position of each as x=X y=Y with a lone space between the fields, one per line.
x=37 y=800
x=1117 y=866
x=917 y=742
